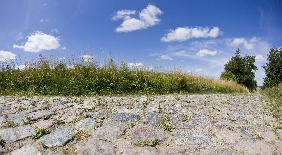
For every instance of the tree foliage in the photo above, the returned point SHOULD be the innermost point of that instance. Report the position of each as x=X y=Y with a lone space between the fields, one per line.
x=241 y=70
x=273 y=69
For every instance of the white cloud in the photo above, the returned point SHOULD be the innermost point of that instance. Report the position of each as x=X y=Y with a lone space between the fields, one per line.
x=148 y=17
x=38 y=42
x=21 y=67
x=6 y=56
x=136 y=65
x=260 y=58
x=165 y=57
x=248 y=44
x=87 y=58
x=122 y=14
x=253 y=44
x=186 y=33
x=206 y=52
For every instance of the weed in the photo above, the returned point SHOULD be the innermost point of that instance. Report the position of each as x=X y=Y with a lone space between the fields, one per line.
x=81 y=136
x=59 y=121
x=166 y=125
x=39 y=133
x=10 y=124
x=151 y=142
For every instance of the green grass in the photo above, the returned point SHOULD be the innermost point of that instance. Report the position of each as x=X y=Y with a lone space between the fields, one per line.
x=274 y=96
x=43 y=78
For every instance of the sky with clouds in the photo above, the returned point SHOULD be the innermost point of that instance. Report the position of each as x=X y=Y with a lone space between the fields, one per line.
x=196 y=36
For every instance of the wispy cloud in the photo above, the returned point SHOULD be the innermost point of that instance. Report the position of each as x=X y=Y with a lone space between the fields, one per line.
x=186 y=33
x=206 y=52
x=38 y=42
x=148 y=17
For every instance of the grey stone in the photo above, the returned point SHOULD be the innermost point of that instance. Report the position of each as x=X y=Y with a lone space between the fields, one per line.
x=43 y=124
x=26 y=150
x=95 y=147
x=16 y=118
x=97 y=114
x=59 y=137
x=155 y=119
x=192 y=138
x=140 y=151
x=14 y=134
x=146 y=133
x=39 y=114
x=2 y=120
x=125 y=117
x=86 y=124
x=110 y=131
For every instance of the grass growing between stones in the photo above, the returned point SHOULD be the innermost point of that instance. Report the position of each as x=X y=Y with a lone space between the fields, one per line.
x=274 y=96
x=39 y=133
x=46 y=78
x=152 y=143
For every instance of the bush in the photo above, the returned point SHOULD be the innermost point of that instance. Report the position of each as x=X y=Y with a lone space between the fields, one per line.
x=273 y=69
x=241 y=70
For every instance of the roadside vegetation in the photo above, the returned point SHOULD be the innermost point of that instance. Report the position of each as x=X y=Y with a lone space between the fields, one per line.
x=87 y=78
x=274 y=97
x=272 y=86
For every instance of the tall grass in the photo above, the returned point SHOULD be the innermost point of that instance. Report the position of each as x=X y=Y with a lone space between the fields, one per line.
x=44 y=78
x=274 y=96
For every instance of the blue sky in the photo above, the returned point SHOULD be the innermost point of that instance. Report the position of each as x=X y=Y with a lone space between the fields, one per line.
x=195 y=35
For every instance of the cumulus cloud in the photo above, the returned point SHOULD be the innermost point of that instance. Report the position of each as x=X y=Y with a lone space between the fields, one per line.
x=138 y=66
x=38 y=42
x=248 y=44
x=166 y=57
x=148 y=17
x=186 y=33
x=6 y=56
x=206 y=52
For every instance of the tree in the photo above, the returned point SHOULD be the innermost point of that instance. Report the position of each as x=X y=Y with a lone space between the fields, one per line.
x=273 y=69
x=241 y=70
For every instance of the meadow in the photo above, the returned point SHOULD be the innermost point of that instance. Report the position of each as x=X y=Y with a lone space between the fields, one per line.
x=59 y=78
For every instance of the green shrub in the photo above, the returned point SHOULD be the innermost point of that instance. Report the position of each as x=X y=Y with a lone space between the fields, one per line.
x=273 y=69
x=241 y=70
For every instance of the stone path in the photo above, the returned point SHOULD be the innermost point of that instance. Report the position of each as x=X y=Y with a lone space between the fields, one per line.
x=135 y=125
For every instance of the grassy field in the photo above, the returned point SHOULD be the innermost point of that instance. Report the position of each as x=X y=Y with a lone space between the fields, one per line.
x=43 y=78
x=274 y=96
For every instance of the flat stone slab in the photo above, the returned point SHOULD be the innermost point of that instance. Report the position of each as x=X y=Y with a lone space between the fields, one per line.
x=142 y=134
x=110 y=131
x=155 y=119
x=43 y=124
x=26 y=150
x=86 y=124
x=13 y=134
x=125 y=117
x=192 y=138
x=38 y=114
x=94 y=146
x=16 y=118
x=59 y=137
